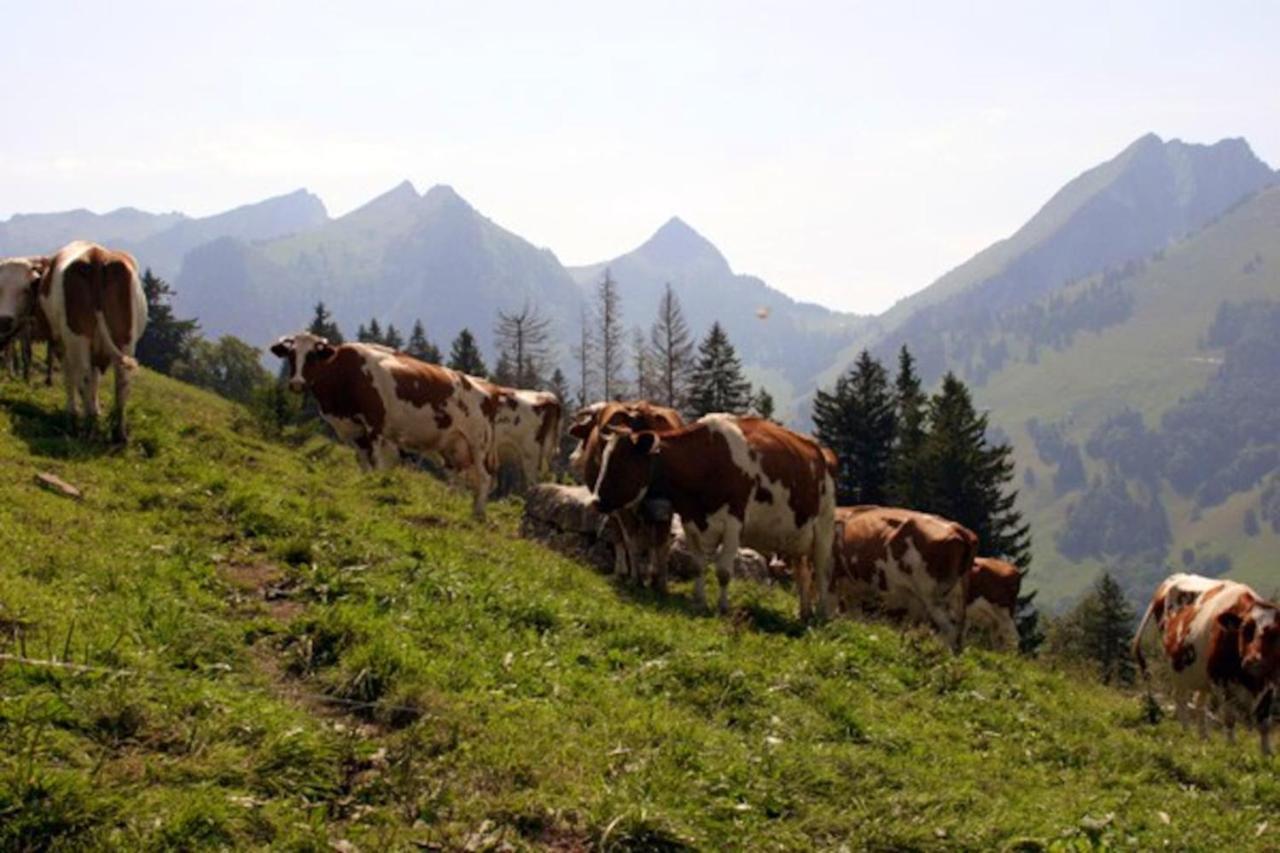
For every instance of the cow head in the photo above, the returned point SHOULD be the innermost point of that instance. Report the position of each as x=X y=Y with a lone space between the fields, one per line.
x=19 y=278
x=1255 y=628
x=300 y=352
x=626 y=469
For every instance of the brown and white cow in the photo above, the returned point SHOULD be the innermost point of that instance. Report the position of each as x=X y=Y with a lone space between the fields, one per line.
x=905 y=563
x=380 y=401
x=1174 y=593
x=93 y=300
x=734 y=481
x=19 y=304
x=644 y=530
x=992 y=600
x=1224 y=647
x=526 y=428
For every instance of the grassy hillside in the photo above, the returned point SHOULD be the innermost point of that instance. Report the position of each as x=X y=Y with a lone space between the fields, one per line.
x=1147 y=363
x=231 y=589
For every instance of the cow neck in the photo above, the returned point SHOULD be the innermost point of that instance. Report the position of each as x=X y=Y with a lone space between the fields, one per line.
x=320 y=379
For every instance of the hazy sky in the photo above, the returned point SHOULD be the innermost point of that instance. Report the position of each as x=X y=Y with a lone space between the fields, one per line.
x=848 y=153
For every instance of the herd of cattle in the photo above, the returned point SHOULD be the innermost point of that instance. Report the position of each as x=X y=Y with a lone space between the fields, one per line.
x=727 y=481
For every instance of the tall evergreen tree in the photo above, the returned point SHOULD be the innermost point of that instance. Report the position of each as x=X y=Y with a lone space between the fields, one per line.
x=464 y=355
x=323 y=325
x=419 y=347
x=763 y=403
x=906 y=484
x=856 y=420
x=1098 y=630
x=362 y=334
x=524 y=338
x=373 y=333
x=672 y=349
x=968 y=480
x=610 y=343
x=559 y=385
x=718 y=384
x=167 y=339
x=393 y=338
x=583 y=353
x=504 y=372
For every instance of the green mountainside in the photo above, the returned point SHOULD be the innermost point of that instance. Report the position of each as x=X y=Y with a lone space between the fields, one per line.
x=265 y=649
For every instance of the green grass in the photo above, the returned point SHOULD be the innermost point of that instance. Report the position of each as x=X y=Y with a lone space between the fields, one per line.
x=511 y=697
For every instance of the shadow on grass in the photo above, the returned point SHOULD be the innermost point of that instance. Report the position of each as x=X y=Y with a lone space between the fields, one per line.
x=49 y=433
x=753 y=616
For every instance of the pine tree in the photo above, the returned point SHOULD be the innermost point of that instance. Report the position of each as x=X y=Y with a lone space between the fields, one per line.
x=966 y=479
x=584 y=354
x=857 y=420
x=421 y=348
x=646 y=378
x=323 y=325
x=464 y=355
x=672 y=349
x=717 y=383
x=166 y=340
x=906 y=486
x=1099 y=629
x=762 y=402
x=609 y=336
x=523 y=339
x=393 y=338
x=362 y=334
x=373 y=333
x=559 y=385
x=504 y=373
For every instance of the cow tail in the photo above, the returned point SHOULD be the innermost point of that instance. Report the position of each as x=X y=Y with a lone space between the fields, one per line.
x=1139 y=635
x=126 y=362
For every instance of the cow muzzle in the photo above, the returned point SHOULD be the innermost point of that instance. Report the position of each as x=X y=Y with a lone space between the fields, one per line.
x=297 y=385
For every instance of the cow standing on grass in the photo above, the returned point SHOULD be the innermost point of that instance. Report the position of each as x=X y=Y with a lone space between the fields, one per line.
x=526 y=428
x=734 y=481
x=909 y=564
x=992 y=600
x=380 y=401
x=20 y=305
x=645 y=529
x=93 y=300
x=1223 y=646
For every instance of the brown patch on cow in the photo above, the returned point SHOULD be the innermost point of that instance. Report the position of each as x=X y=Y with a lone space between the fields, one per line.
x=344 y=390
x=763 y=495
x=117 y=300
x=796 y=461
x=698 y=471
x=77 y=289
x=1181 y=653
x=548 y=412
x=995 y=581
x=421 y=384
x=100 y=280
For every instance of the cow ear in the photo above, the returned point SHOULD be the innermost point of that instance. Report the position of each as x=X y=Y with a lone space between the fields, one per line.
x=1229 y=621
x=581 y=427
x=282 y=347
x=646 y=442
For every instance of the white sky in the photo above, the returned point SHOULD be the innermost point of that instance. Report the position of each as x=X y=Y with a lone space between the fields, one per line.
x=848 y=153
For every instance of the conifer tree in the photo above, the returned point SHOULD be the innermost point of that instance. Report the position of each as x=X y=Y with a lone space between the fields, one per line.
x=609 y=336
x=966 y=479
x=718 y=384
x=323 y=325
x=762 y=402
x=374 y=332
x=671 y=346
x=1098 y=630
x=856 y=420
x=504 y=372
x=362 y=334
x=464 y=355
x=906 y=486
x=421 y=348
x=559 y=386
x=166 y=339
x=393 y=338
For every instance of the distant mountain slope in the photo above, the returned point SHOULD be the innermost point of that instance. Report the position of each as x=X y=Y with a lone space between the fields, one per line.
x=159 y=240
x=264 y=220
x=41 y=233
x=399 y=257
x=786 y=341
x=1161 y=352
x=1153 y=192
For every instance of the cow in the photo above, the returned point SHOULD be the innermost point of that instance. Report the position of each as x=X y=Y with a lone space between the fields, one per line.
x=22 y=321
x=1224 y=647
x=645 y=531
x=93 y=300
x=734 y=481
x=1174 y=593
x=991 y=600
x=908 y=564
x=526 y=428
x=380 y=402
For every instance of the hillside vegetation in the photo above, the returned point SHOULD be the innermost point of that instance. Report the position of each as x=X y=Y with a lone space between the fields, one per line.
x=295 y=655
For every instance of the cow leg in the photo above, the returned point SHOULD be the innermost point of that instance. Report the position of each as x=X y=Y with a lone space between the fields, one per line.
x=658 y=557
x=1201 y=700
x=1264 y=735
x=123 y=377
x=724 y=567
x=821 y=558
x=1229 y=721
x=92 y=404
x=802 y=575
x=383 y=455
x=48 y=364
